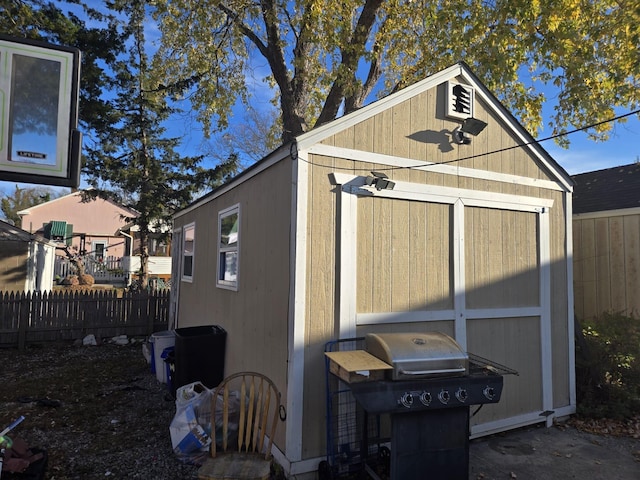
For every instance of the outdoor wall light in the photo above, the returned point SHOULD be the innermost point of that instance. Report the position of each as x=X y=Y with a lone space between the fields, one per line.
x=380 y=181
x=471 y=126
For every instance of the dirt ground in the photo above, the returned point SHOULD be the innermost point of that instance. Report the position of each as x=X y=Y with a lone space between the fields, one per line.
x=97 y=410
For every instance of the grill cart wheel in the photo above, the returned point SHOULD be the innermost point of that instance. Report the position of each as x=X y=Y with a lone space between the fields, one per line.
x=384 y=459
x=324 y=471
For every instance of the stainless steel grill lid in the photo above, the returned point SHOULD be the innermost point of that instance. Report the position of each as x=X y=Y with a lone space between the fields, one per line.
x=419 y=355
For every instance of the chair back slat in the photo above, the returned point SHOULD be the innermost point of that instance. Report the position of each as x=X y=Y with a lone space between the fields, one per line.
x=256 y=411
x=264 y=414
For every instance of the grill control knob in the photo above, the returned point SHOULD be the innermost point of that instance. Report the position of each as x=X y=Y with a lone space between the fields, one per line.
x=425 y=398
x=462 y=395
x=407 y=400
x=444 y=397
x=489 y=392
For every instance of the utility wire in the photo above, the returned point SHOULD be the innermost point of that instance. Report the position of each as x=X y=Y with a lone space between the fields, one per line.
x=534 y=142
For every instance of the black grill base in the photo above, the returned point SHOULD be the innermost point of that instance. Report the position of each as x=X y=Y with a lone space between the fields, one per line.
x=430 y=444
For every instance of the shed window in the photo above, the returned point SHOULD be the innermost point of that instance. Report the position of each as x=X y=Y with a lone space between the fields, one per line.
x=188 y=252
x=228 y=243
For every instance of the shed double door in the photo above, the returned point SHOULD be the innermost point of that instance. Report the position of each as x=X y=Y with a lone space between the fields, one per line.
x=464 y=266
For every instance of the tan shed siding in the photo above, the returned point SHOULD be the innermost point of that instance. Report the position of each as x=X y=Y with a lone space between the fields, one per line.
x=320 y=305
x=255 y=317
x=13 y=266
x=404 y=251
x=501 y=259
x=606 y=265
x=514 y=342
x=416 y=272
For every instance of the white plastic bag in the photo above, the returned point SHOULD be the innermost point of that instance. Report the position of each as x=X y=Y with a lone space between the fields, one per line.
x=190 y=428
x=198 y=396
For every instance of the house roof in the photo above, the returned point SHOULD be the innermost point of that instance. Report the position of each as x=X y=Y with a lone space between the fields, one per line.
x=317 y=134
x=10 y=232
x=27 y=211
x=614 y=188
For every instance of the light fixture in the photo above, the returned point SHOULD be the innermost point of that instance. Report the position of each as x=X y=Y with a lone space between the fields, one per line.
x=380 y=181
x=471 y=126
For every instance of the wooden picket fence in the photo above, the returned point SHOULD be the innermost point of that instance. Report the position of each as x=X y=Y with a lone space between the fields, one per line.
x=34 y=317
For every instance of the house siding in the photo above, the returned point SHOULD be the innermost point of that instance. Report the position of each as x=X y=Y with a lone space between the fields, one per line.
x=98 y=219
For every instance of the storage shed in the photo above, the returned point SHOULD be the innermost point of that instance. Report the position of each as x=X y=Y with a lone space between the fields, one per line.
x=390 y=219
x=606 y=225
x=26 y=260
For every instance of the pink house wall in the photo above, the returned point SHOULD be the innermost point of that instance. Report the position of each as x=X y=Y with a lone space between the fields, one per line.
x=98 y=219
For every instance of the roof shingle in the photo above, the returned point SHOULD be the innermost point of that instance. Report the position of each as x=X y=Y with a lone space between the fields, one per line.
x=610 y=189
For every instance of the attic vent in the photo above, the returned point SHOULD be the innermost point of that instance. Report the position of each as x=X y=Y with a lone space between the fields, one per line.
x=460 y=100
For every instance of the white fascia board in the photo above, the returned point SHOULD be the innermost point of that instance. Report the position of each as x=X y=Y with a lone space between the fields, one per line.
x=527 y=140
x=412 y=164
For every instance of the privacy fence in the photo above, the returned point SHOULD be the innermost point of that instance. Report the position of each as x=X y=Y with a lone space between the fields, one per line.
x=34 y=317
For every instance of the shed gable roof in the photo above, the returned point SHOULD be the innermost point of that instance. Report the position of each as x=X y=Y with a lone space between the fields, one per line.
x=459 y=70
x=609 y=189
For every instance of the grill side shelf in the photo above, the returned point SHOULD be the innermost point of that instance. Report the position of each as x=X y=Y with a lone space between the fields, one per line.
x=479 y=365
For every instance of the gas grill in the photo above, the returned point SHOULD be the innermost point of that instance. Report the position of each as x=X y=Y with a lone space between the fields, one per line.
x=427 y=389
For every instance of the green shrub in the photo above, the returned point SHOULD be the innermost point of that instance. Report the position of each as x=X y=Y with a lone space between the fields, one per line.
x=608 y=366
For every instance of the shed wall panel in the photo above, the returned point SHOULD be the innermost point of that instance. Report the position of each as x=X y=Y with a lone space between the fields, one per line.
x=255 y=316
x=514 y=342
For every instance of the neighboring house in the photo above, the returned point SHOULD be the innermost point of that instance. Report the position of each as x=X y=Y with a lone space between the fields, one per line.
x=26 y=260
x=606 y=241
x=92 y=227
x=101 y=229
x=309 y=245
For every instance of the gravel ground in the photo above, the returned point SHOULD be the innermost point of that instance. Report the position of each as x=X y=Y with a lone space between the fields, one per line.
x=97 y=410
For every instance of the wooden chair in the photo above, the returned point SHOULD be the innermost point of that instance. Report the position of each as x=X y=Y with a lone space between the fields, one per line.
x=253 y=402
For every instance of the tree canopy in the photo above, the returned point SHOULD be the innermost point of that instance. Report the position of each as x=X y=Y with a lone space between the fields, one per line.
x=23 y=198
x=326 y=57
x=134 y=160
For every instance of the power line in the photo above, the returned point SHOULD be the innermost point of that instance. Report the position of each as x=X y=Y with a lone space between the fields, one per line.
x=534 y=142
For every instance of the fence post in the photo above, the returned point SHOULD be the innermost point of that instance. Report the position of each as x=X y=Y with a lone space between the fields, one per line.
x=151 y=310
x=23 y=319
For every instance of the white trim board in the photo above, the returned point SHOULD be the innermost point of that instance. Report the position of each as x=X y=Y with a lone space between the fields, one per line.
x=297 y=310
x=412 y=164
x=607 y=213
x=448 y=195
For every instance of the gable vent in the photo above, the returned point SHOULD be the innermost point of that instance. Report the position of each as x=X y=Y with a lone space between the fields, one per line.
x=460 y=100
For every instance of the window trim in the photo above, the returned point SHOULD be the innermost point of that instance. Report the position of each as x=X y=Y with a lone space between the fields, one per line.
x=220 y=282
x=183 y=277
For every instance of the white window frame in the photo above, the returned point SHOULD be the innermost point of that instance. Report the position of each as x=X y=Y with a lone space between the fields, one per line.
x=185 y=254
x=94 y=246
x=224 y=249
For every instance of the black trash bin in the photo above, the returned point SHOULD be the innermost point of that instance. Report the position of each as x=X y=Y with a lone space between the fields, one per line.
x=199 y=355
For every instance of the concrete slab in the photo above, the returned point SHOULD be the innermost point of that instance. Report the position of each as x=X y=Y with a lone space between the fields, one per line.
x=559 y=452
